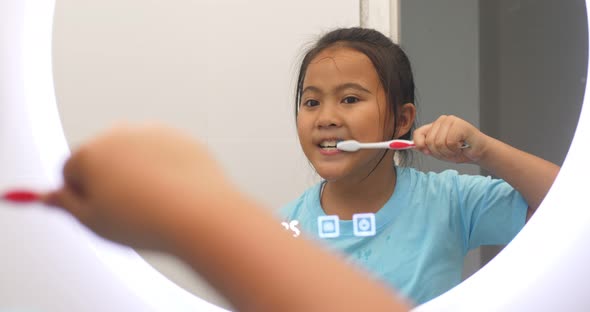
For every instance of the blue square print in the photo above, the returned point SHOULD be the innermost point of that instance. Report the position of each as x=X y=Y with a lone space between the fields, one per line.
x=328 y=226
x=363 y=224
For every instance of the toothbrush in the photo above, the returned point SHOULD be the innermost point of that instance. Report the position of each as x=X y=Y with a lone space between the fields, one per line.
x=353 y=146
x=21 y=196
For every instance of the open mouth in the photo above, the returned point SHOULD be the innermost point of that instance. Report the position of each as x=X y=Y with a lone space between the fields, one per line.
x=329 y=144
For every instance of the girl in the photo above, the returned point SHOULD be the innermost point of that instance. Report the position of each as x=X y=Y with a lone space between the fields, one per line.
x=356 y=84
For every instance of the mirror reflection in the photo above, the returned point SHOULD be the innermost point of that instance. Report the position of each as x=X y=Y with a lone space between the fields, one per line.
x=505 y=67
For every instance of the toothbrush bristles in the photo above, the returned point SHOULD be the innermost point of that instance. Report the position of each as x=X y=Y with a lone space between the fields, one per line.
x=348 y=146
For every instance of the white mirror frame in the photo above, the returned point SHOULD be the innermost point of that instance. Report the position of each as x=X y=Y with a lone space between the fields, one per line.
x=50 y=263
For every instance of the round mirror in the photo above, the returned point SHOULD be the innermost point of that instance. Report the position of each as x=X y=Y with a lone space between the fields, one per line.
x=225 y=72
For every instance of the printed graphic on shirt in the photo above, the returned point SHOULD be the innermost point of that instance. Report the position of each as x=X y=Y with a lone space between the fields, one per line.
x=364 y=224
x=292 y=226
x=328 y=226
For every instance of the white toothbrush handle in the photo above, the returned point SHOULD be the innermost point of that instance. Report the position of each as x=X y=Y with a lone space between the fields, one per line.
x=374 y=145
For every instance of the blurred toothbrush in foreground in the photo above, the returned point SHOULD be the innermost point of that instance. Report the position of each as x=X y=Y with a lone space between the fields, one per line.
x=21 y=196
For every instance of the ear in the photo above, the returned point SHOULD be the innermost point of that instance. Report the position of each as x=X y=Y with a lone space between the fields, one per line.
x=405 y=119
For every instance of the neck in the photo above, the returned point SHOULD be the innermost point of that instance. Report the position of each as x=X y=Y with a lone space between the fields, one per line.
x=361 y=195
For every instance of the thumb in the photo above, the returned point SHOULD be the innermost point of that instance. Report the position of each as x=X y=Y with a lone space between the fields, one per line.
x=66 y=199
x=419 y=138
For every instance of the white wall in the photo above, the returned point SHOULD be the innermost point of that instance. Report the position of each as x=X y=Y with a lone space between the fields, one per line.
x=222 y=70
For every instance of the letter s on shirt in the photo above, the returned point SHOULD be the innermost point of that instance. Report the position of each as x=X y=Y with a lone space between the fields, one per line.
x=292 y=226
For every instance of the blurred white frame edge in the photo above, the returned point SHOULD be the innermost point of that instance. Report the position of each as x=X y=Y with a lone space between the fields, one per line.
x=30 y=128
x=525 y=276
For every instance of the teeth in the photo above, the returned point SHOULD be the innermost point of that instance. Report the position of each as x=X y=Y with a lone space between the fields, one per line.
x=328 y=144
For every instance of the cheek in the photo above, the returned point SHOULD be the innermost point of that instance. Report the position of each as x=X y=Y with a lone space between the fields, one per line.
x=389 y=128
x=303 y=123
x=386 y=124
x=299 y=127
x=303 y=131
x=369 y=125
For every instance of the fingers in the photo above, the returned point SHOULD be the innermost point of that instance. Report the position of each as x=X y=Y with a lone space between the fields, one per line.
x=68 y=200
x=419 y=138
x=443 y=138
x=72 y=196
x=74 y=171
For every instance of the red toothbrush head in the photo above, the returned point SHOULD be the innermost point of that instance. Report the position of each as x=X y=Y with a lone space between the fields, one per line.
x=401 y=145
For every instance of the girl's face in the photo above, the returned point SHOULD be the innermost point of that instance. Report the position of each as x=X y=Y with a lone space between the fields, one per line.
x=342 y=99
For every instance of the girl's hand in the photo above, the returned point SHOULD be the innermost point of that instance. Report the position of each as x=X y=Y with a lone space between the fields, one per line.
x=444 y=138
x=132 y=185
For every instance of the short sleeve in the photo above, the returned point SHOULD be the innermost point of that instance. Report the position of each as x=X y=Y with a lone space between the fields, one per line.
x=492 y=211
x=286 y=212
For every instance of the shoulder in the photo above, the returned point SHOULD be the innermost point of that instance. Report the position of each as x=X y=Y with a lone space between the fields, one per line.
x=419 y=178
x=418 y=174
x=447 y=177
x=289 y=209
x=296 y=207
x=451 y=183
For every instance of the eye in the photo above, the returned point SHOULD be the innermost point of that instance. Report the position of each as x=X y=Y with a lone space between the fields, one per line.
x=311 y=103
x=350 y=100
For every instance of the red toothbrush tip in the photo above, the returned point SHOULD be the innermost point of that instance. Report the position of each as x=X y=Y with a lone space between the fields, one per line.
x=21 y=196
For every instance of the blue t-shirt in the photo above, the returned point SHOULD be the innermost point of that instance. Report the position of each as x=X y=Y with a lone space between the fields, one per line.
x=424 y=230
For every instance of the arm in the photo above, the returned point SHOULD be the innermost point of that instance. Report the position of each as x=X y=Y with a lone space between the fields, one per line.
x=528 y=174
x=153 y=188
x=259 y=267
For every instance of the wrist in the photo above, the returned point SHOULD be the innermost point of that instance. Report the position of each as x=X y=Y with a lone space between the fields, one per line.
x=480 y=149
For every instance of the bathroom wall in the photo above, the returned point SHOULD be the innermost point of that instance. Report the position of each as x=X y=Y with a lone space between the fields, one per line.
x=223 y=71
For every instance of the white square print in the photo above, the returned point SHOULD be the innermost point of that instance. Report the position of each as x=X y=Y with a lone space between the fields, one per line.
x=363 y=224
x=328 y=226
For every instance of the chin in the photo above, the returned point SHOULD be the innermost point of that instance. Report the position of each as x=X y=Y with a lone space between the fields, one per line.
x=330 y=175
x=333 y=171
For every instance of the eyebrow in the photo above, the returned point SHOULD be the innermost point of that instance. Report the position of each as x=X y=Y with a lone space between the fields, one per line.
x=339 y=88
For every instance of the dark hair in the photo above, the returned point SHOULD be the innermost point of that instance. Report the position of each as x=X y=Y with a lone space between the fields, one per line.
x=390 y=62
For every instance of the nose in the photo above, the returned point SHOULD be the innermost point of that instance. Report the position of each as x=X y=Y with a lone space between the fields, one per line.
x=329 y=116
